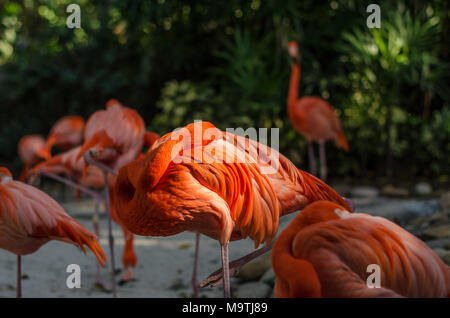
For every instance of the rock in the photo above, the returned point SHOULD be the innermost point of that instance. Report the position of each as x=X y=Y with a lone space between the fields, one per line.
x=253 y=290
x=443 y=254
x=402 y=212
x=421 y=207
x=255 y=269
x=436 y=232
x=391 y=191
x=364 y=192
x=423 y=188
x=444 y=201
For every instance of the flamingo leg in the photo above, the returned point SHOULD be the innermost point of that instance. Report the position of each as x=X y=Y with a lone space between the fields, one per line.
x=110 y=235
x=95 y=221
x=312 y=160
x=323 y=163
x=215 y=278
x=194 y=272
x=226 y=271
x=19 y=277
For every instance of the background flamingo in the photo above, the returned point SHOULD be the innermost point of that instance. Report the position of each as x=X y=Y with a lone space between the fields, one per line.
x=325 y=251
x=313 y=117
x=66 y=133
x=113 y=137
x=31 y=149
x=224 y=200
x=30 y=218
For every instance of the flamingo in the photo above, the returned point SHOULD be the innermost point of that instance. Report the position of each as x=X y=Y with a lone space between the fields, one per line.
x=113 y=137
x=66 y=133
x=213 y=183
x=31 y=149
x=326 y=250
x=313 y=117
x=29 y=218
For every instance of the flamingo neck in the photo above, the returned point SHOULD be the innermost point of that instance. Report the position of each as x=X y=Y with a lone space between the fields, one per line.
x=293 y=85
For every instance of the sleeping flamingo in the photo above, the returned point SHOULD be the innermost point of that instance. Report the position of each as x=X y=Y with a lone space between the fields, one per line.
x=29 y=218
x=31 y=149
x=203 y=180
x=313 y=117
x=326 y=250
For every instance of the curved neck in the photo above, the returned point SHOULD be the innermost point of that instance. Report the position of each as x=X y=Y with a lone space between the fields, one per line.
x=293 y=84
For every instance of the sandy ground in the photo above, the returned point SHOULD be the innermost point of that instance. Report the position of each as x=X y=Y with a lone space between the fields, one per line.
x=164 y=266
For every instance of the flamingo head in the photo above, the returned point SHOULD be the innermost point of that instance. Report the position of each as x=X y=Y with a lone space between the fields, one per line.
x=113 y=102
x=100 y=147
x=293 y=51
x=5 y=174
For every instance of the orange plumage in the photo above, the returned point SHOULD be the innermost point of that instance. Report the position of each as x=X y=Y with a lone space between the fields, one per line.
x=325 y=252
x=116 y=135
x=226 y=200
x=30 y=218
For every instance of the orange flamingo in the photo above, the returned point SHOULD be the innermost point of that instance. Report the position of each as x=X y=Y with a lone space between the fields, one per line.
x=31 y=149
x=30 y=218
x=113 y=137
x=66 y=133
x=313 y=117
x=325 y=252
x=214 y=183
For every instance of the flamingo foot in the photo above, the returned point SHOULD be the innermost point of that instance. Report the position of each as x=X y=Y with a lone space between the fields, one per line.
x=127 y=277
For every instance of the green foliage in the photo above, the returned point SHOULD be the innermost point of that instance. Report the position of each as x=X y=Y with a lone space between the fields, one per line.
x=226 y=62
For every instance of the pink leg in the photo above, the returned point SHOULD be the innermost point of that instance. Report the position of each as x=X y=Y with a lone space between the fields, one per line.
x=110 y=236
x=323 y=163
x=194 y=273
x=95 y=221
x=226 y=271
x=19 y=277
x=215 y=278
x=312 y=160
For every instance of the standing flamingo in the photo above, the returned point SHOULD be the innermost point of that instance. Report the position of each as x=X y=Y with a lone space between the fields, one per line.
x=31 y=149
x=29 y=218
x=113 y=137
x=313 y=117
x=66 y=133
x=325 y=252
x=214 y=183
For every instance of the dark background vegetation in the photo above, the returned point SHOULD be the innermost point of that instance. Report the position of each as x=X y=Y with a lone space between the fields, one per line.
x=226 y=62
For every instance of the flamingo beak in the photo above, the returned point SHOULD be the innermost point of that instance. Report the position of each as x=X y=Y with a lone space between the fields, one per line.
x=44 y=154
x=98 y=142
